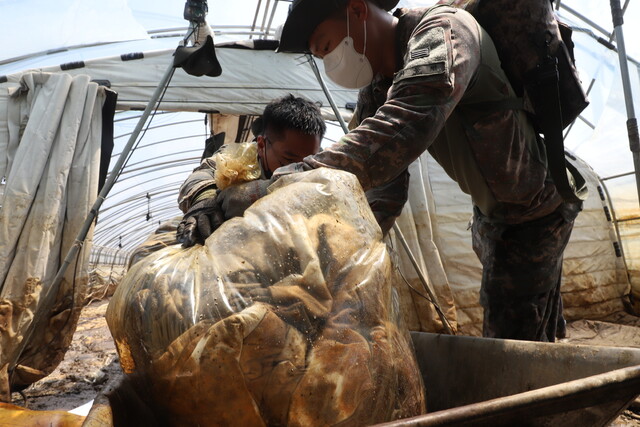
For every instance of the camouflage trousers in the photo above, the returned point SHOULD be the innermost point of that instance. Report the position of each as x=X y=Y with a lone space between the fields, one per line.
x=521 y=276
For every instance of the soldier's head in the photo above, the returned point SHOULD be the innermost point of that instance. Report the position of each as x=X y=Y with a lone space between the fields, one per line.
x=289 y=130
x=346 y=34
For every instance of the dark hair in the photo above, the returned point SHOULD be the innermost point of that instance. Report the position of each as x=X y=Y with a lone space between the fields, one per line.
x=290 y=112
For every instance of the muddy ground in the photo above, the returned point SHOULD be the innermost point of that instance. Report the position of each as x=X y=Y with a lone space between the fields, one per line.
x=92 y=362
x=88 y=366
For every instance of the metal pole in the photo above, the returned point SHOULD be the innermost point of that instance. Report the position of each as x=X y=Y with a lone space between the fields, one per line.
x=255 y=18
x=425 y=284
x=264 y=17
x=632 y=122
x=326 y=91
x=52 y=291
x=270 y=23
x=396 y=229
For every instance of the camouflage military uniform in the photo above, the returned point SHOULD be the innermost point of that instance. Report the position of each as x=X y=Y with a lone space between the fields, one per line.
x=201 y=178
x=448 y=73
x=522 y=271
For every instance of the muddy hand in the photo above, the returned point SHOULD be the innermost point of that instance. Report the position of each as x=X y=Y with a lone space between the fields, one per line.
x=199 y=222
x=234 y=200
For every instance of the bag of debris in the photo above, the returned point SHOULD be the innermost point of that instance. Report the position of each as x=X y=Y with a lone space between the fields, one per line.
x=163 y=236
x=286 y=316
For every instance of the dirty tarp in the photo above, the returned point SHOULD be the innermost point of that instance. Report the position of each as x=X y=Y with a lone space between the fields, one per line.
x=594 y=283
x=617 y=330
x=286 y=316
x=419 y=225
x=50 y=137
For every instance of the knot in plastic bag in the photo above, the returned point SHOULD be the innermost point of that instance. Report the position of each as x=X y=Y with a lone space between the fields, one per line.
x=236 y=163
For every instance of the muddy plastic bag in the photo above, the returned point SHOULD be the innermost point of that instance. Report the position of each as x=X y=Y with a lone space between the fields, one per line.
x=285 y=316
x=162 y=237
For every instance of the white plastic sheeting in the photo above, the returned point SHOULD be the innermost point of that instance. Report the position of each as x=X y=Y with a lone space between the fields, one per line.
x=250 y=80
x=50 y=138
x=77 y=22
x=419 y=224
x=599 y=136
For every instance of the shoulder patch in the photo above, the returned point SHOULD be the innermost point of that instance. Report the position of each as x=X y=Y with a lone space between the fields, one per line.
x=428 y=55
x=420 y=53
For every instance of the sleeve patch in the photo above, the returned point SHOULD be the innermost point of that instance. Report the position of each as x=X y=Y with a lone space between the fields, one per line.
x=427 y=56
x=425 y=70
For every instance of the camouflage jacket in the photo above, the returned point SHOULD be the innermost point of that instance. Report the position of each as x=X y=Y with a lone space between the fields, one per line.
x=201 y=178
x=449 y=70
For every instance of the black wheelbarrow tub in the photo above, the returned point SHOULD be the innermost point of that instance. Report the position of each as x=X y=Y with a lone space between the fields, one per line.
x=488 y=382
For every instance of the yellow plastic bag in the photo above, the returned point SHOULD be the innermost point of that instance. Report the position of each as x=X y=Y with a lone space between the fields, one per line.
x=286 y=316
x=236 y=163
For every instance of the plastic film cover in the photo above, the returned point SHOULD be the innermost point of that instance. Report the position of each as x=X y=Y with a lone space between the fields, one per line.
x=285 y=316
x=164 y=236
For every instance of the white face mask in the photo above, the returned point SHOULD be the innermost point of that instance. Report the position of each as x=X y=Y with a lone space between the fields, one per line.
x=345 y=66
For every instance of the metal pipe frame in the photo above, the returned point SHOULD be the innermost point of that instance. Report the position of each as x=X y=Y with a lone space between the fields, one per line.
x=50 y=293
x=632 y=123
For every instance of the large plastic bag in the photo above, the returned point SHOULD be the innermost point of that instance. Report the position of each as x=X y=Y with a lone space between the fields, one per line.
x=163 y=236
x=285 y=316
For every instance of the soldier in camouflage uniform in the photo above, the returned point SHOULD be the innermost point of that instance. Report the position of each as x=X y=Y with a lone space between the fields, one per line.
x=296 y=118
x=290 y=129
x=437 y=84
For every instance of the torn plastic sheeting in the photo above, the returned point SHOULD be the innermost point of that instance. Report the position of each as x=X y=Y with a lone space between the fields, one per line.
x=285 y=316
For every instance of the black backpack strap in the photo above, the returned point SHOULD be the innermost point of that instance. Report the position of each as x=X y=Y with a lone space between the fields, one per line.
x=486 y=107
x=495 y=106
x=550 y=121
x=544 y=85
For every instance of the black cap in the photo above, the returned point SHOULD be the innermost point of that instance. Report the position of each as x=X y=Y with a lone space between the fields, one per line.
x=305 y=16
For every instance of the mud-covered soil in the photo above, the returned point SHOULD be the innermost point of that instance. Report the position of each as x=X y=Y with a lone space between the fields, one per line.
x=628 y=418
x=90 y=363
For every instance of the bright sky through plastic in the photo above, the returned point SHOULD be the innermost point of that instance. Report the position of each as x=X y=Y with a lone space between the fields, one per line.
x=40 y=25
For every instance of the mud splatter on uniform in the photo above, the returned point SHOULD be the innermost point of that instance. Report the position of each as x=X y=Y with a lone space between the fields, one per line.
x=202 y=178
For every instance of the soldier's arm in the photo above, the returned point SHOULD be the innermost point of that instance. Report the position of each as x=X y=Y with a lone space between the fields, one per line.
x=200 y=180
x=387 y=201
x=441 y=59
